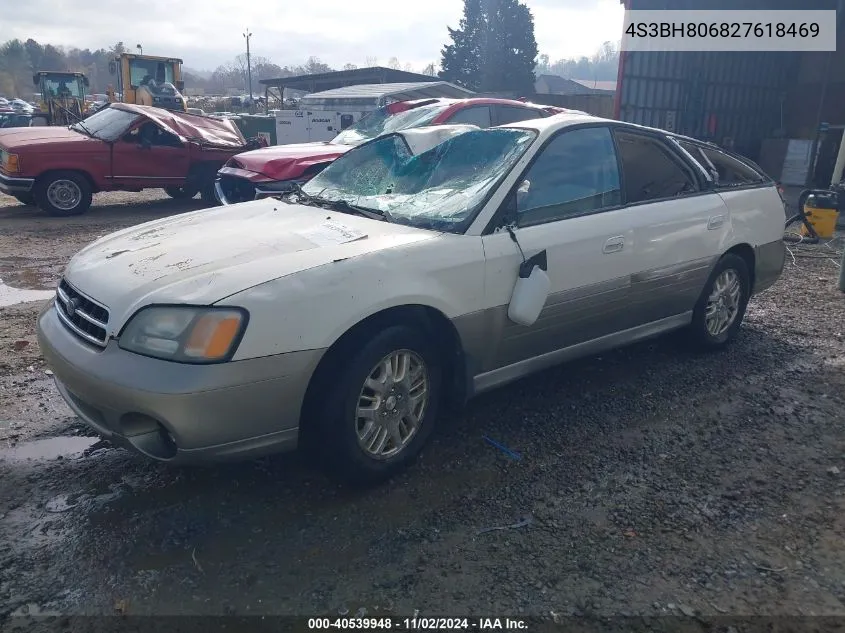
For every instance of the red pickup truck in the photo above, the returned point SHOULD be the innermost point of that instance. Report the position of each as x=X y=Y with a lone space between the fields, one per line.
x=120 y=147
x=273 y=170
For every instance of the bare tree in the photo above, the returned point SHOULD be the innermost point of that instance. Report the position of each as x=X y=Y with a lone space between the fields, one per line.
x=393 y=63
x=372 y=61
x=408 y=68
x=350 y=67
x=430 y=70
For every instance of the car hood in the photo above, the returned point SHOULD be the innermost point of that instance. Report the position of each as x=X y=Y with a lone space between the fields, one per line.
x=285 y=162
x=41 y=136
x=203 y=257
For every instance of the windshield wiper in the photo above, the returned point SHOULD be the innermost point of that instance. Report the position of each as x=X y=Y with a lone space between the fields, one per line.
x=342 y=206
x=373 y=214
x=347 y=207
x=84 y=129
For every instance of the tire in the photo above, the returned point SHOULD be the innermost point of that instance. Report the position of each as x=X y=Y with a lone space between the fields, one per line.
x=344 y=434
x=729 y=275
x=207 y=189
x=63 y=193
x=181 y=193
x=27 y=199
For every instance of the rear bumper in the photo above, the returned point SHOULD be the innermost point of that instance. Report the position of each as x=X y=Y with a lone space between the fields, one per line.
x=12 y=185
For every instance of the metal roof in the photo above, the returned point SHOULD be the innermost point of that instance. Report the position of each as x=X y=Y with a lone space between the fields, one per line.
x=339 y=78
x=373 y=93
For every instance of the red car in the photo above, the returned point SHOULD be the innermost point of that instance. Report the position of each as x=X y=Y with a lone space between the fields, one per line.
x=120 y=147
x=270 y=171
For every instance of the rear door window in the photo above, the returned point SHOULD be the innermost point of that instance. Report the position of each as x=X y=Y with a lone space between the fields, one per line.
x=651 y=171
x=726 y=170
x=503 y=115
x=476 y=115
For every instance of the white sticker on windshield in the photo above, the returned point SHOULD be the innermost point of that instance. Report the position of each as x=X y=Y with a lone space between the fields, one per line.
x=330 y=233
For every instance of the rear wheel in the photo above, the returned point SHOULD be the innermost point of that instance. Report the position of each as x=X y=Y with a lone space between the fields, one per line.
x=381 y=407
x=63 y=193
x=181 y=193
x=25 y=198
x=721 y=307
x=207 y=191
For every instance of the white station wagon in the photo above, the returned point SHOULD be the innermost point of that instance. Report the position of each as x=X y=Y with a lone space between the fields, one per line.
x=422 y=267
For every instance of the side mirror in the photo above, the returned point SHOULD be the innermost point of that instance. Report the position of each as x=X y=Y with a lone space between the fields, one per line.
x=35 y=80
x=85 y=82
x=180 y=85
x=112 y=68
x=531 y=290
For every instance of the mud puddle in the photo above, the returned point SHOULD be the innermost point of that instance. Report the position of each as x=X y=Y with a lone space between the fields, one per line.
x=12 y=296
x=48 y=449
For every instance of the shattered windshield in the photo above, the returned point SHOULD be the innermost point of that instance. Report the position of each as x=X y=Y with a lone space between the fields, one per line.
x=439 y=189
x=106 y=124
x=382 y=122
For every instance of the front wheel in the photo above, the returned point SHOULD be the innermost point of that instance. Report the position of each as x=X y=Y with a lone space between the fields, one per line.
x=382 y=407
x=63 y=193
x=721 y=307
x=181 y=193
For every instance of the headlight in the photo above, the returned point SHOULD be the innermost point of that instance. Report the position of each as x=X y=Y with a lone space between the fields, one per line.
x=185 y=334
x=9 y=162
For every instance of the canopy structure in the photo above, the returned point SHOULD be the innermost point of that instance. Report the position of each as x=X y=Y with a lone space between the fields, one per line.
x=274 y=88
x=380 y=94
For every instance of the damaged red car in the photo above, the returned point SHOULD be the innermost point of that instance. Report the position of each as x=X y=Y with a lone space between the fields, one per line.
x=120 y=147
x=274 y=170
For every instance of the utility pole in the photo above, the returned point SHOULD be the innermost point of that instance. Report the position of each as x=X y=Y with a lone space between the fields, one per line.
x=140 y=49
x=248 y=35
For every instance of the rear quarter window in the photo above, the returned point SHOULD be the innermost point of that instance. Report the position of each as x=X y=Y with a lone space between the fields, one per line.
x=726 y=170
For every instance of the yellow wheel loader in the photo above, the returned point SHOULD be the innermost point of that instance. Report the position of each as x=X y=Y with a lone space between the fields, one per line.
x=62 y=97
x=148 y=80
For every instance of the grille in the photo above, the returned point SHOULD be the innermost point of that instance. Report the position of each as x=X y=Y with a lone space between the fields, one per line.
x=81 y=315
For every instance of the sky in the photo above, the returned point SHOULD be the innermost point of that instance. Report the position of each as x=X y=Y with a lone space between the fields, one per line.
x=208 y=33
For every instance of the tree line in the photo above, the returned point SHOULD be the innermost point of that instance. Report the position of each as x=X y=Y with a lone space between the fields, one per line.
x=19 y=60
x=493 y=49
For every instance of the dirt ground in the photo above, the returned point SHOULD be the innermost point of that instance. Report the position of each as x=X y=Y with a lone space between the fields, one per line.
x=650 y=481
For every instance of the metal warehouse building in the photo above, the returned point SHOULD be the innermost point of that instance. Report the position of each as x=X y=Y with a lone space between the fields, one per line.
x=768 y=106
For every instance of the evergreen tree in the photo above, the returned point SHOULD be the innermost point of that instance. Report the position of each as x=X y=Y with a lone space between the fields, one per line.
x=494 y=48
x=461 y=63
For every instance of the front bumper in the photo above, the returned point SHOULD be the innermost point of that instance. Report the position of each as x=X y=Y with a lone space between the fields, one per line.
x=178 y=412
x=12 y=184
x=233 y=185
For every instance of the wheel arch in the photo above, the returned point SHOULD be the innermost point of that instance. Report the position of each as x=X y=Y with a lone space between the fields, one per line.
x=435 y=325
x=40 y=178
x=203 y=168
x=746 y=252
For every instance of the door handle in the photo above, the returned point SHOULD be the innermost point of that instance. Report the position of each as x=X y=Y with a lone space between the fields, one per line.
x=715 y=222
x=614 y=244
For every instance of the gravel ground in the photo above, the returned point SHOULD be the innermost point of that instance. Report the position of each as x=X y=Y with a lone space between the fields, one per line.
x=651 y=481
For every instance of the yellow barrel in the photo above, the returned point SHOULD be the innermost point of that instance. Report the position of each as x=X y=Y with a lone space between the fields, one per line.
x=823 y=220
